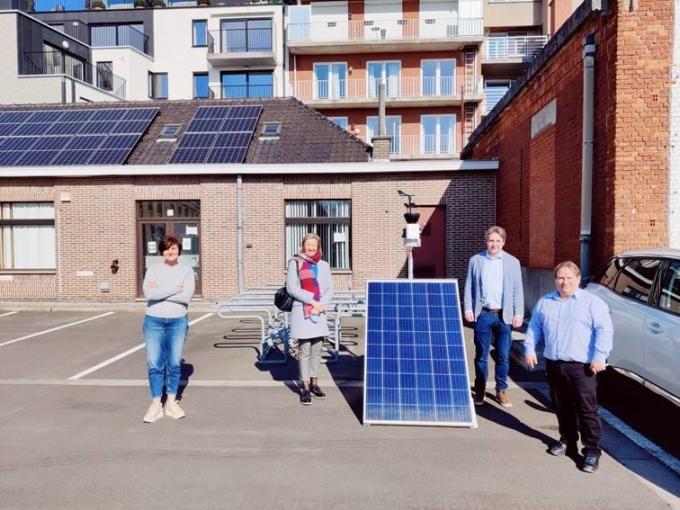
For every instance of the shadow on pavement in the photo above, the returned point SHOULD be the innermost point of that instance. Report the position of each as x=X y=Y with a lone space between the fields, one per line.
x=186 y=371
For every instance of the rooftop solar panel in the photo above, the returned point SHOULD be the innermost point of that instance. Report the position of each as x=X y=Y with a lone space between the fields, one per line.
x=415 y=370
x=217 y=134
x=71 y=137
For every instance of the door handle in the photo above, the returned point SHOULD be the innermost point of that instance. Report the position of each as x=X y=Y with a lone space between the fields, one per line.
x=655 y=327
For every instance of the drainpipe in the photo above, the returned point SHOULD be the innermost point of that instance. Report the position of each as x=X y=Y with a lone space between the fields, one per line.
x=239 y=234
x=587 y=154
x=381 y=109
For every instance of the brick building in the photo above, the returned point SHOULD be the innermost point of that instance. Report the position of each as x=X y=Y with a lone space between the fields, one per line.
x=73 y=231
x=536 y=133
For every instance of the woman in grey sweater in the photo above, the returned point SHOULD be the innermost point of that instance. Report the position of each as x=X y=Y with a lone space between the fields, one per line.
x=309 y=282
x=168 y=287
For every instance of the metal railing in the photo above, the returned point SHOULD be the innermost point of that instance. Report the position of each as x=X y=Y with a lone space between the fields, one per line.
x=122 y=35
x=423 y=146
x=514 y=46
x=56 y=63
x=395 y=87
x=385 y=29
x=242 y=91
x=250 y=40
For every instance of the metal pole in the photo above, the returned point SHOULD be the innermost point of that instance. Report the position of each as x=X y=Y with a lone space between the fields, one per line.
x=239 y=234
x=587 y=155
x=381 y=109
x=410 y=263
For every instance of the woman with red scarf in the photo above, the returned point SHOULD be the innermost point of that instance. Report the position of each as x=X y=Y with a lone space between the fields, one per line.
x=309 y=282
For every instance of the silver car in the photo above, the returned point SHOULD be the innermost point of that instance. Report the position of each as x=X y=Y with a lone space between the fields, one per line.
x=642 y=289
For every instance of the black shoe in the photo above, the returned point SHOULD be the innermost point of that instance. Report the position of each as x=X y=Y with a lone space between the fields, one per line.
x=305 y=398
x=591 y=463
x=480 y=394
x=317 y=393
x=562 y=448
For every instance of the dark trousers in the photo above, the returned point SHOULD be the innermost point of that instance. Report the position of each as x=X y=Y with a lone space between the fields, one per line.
x=491 y=330
x=573 y=389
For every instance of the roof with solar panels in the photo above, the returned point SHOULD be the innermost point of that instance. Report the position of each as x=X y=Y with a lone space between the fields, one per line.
x=173 y=133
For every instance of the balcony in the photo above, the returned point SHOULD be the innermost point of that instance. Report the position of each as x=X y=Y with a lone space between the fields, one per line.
x=492 y=95
x=241 y=47
x=516 y=48
x=410 y=91
x=57 y=63
x=109 y=36
x=250 y=91
x=423 y=147
x=360 y=36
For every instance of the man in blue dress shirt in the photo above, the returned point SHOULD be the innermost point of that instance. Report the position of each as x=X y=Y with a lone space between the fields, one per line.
x=494 y=301
x=575 y=327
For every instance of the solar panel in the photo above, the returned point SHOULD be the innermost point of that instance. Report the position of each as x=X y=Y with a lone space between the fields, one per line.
x=71 y=137
x=415 y=368
x=217 y=134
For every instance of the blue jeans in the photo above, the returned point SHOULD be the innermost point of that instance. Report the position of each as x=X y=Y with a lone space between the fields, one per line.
x=488 y=325
x=164 y=339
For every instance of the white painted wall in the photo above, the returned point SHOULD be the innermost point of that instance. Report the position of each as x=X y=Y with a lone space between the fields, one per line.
x=131 y=65
x=174 y=54
x=674 y=166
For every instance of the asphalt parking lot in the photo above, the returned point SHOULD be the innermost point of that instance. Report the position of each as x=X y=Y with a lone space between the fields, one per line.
x=73 y=387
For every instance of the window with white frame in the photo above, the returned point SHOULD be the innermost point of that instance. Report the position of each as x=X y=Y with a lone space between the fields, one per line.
x=383 y=72
x=392 y=129
x=438 y=77
x=438 y=134
x=27 y=240
x=340 y=121
x=329 y=219
x=330 y=80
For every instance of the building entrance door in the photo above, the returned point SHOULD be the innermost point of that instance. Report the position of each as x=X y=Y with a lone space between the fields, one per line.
x=157 y=219
x=429 y=261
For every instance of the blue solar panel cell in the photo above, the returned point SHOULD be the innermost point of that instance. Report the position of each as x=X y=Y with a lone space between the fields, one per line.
x=120 y=142
x=108 y=115
x=144 y=114
x=212 y=112
x=204 y=140
x=109 y=157
x=205 y=126
x=130 y=126
x=48 y=116
x=72 y=157
x=97 y=127
x=415 y=364
x=238 y=124
x=14 y=117
x=84 y=142
x=29 y=129
x=224 y=155
x=76 y=116
x=245 y=112
x=18 y=144
x=65 y=128
x=232 y=140
x=189 y=156
x=8 y=158
x=51 y=143
x=36 y=158
x=8 y=129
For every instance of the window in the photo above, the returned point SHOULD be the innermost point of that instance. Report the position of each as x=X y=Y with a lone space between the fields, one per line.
x=392 y=128
x=439 y=77
x=340 y=121
x=201 y=86
x=609 y=277
x=494 y=90
x=330 y=81
x=127 y=34
x=438 y=134
x=670 y=288
x=199 y=32
x=330 y=219
x=247 y=84
x=246 y=35
x=158 y=85
x=636 y=279
x=271 y=129
x=105 y=75
x=27 y=240
x=170 y=131
x=383 y=72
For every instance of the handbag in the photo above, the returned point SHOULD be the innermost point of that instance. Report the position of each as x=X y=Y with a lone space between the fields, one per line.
x=282 y=299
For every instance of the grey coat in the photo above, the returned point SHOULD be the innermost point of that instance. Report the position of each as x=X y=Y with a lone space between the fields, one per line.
x=513 y=291
x=300 y=327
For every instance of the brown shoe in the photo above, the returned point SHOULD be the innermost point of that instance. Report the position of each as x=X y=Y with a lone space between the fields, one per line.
x=503 y=399
x=479 y=397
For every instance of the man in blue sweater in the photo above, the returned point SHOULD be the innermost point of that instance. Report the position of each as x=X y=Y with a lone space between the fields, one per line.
x=494 y=301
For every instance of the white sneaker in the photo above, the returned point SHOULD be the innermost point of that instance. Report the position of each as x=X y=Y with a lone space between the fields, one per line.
x=173 y=410
x=154 y=413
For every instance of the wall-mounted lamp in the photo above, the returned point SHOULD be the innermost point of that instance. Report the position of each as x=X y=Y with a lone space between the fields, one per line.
x=114 y=266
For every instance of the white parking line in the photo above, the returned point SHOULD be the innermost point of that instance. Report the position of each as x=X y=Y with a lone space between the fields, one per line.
x=7 y=313
x=124 y=354
x=20 y=339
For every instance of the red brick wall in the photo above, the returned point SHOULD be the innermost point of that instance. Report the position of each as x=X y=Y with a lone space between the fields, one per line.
x=630 y=144
x=98 y=225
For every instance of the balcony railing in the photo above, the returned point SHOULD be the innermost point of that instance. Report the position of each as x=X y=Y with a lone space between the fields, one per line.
x=251 y=40
x=241 y=91
x=514 y=47
x=492 y=95
x=395 y=88
x=56 y=63
x=385 y=30
x=121 y=35
x=409 y=146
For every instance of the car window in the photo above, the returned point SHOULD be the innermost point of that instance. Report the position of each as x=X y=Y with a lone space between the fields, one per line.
x=670 y=288
x=636 y=278
x=609 y=277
